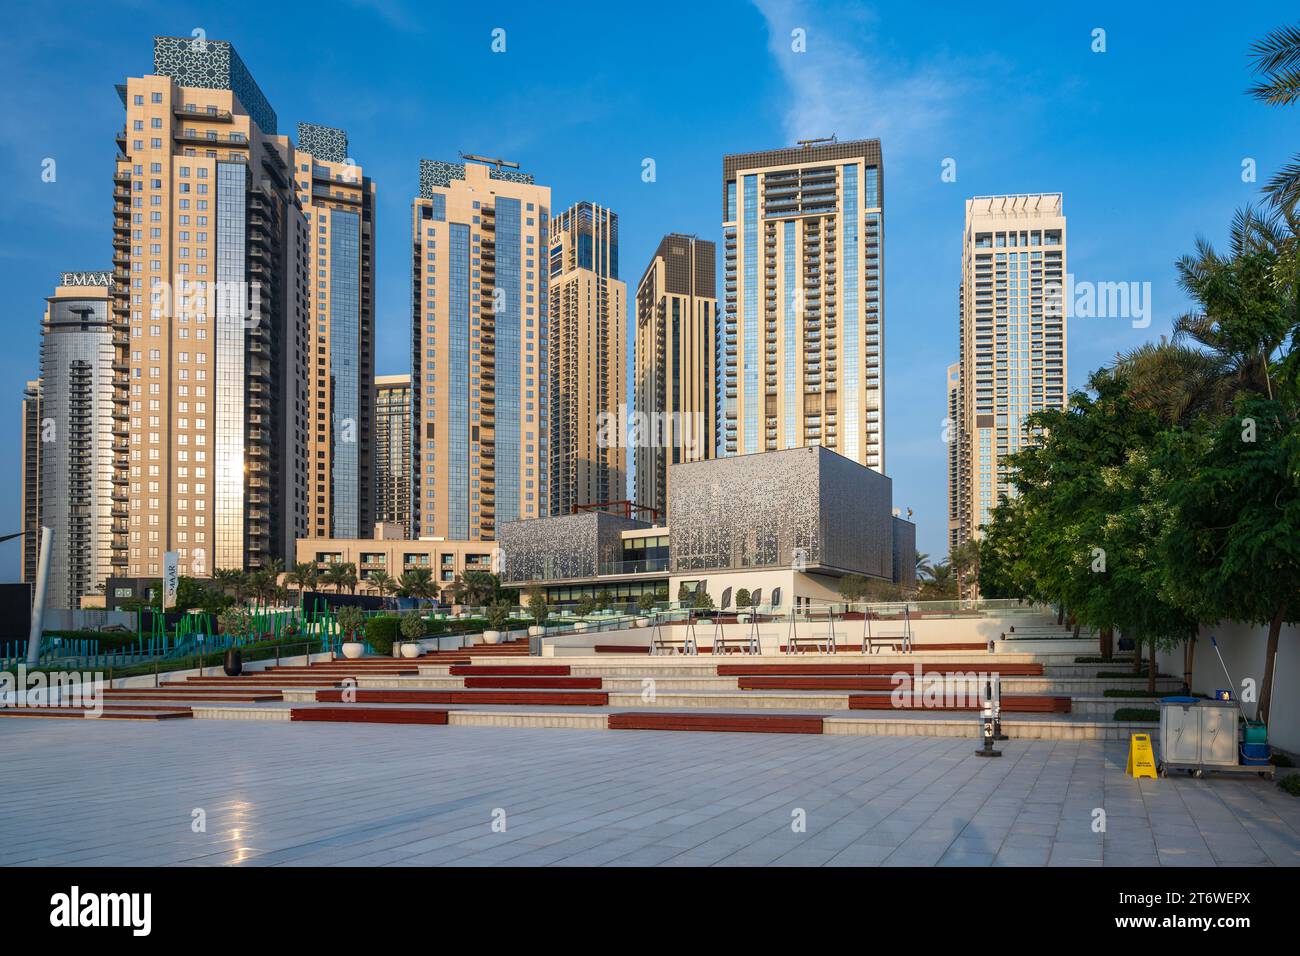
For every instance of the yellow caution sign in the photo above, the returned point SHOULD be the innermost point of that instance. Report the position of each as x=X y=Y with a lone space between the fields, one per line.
x=1141 y=761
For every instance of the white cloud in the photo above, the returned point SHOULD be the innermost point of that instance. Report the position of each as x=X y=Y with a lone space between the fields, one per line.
x=848 y=82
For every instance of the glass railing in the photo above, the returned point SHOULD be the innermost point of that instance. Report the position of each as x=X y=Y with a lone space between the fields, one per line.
x=643 y=566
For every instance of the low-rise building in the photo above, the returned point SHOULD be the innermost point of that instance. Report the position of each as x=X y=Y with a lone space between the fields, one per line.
x=444 y=559
x=786 y=524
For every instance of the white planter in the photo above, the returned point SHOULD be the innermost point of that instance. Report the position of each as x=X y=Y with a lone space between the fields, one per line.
x=643 y=622
x=411 y=650
x=491 y=637
x=353 y=649
x=535 y=631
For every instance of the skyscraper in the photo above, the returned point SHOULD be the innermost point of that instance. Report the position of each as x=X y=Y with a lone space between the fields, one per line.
x=952 y=431
x=587 y=339
x=338 y=201
x=676 y=342
x=480 y=234
x=210 y=318
x=31 y=479
x=75 y=444
x=392 y=419
x=1013 y=356
x=801 y=361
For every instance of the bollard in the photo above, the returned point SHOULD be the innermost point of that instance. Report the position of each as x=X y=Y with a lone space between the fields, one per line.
x=987 y=731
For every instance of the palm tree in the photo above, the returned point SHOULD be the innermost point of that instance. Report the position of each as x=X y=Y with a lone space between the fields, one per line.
x=476 y=588
x=416 y=583
x=1276 y=59
x=382 y=582
x=922 y=563
x=257 y=584
x=1227 y=346
x=229 y=580
x=965 y=560
x=348 y=577
x=304 y=574
x=334 y=576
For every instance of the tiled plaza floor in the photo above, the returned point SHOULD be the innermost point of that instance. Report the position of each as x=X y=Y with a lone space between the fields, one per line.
x=122 y=793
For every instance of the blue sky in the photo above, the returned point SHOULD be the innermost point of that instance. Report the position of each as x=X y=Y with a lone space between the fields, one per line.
x=1145 y=140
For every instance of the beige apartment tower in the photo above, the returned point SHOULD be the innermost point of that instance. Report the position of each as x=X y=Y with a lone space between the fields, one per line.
x=676 y=364
x=588 y=355
x=479 y=232
x=1013 y=352
x=338 y=202
x=801 y=360
x=392 y=417
x=211 y=319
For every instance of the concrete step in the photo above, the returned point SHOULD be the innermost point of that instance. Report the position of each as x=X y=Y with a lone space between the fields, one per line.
x=152 y=712
x=858 y=723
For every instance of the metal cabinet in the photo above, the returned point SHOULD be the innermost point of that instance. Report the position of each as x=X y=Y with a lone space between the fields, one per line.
x=1196 y=735
x=1218 y=733
x=1180 y=733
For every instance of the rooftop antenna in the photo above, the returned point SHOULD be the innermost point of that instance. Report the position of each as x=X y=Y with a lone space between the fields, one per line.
x=490 y=160
x=814 y=142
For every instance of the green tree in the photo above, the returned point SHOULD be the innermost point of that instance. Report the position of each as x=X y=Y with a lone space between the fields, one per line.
x=922 y=564
x=382 y=582
x=1232 y=550
x=742 y=599
x=1276 y=59
x=965 y=561
x=303 y=575
x=538 y=608
x=476 y=588
x=416 y=583
x=854 y=588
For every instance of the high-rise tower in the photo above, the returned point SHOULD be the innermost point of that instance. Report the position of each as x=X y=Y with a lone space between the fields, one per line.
x=801 y=361
x=75 y=444
x=479 y=242
x=676 y=342
x=210 y=317
x=1013 y=355
x=587 y=359
x=338 y=201
x=392 y=419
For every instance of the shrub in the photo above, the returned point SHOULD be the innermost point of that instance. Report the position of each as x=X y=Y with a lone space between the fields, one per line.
x=412 y=626
x=742 y=598
x=351 y=620
x=1144 y=714
x=434 y=626
x=646 y=602
x=234 y=621
x=381 y=632
x=498 y=616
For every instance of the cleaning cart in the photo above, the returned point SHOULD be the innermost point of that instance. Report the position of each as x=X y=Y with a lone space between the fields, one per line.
x=1200 y=735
